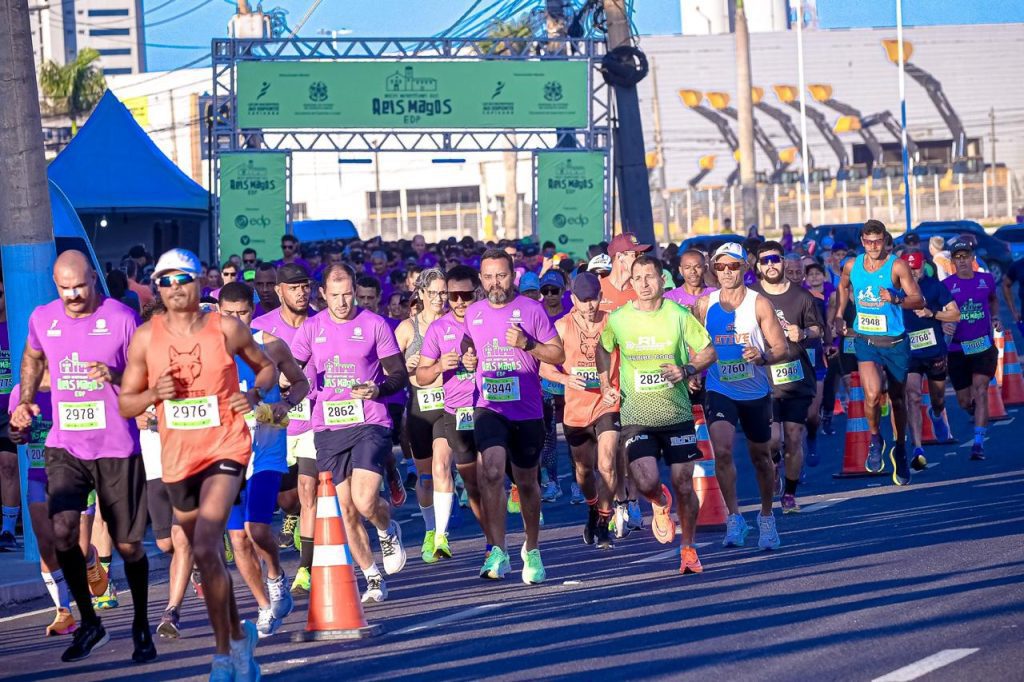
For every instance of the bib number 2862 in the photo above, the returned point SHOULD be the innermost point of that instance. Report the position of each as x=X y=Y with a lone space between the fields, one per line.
x=343 y=412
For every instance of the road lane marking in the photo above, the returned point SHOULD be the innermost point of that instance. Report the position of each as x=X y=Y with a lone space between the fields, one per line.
x=667 y=554
x=1003 y=423
x=26 y=615
x=925 y=665
x=450 y=618
x=817 y=506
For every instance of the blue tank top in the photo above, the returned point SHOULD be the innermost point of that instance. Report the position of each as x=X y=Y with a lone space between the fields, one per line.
x=731 y=331
x=874 y=317
x=269 y=443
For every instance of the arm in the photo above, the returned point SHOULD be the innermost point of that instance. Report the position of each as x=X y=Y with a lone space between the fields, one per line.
x=550 y=351
x=704 y=358
x=239 y=342
x=430 y=369
x=903 y=279
x=1008 y=295
x=283 y=360
x=136 y=395
x=33 y=364
x=771 y=328
x=843 y=299
x=950 y=313
x=993 y=305
x=397 y=375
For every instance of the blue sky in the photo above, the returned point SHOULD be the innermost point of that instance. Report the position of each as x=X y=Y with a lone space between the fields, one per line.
x=190 y=34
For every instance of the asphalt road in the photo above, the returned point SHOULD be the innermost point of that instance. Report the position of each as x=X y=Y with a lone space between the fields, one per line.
x=872 y=581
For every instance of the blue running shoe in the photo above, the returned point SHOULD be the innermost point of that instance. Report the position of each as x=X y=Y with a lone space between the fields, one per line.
x=874 y=463
x=942 y=433
x=918 y=461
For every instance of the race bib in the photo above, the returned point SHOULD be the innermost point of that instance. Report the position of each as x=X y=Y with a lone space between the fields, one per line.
x=300 y=412
x=35 y=457
x=922 y=339
x=343 y=412
x=84 y=416
x=848 y=346
x=588 y=374
x=190 y=414
x=975 y=346
x=552 y=387
x=505 y=390
x=872 y=323
x=649 y=381
x=787 y=372
x=735 y=370
x=6 y=384
x=811 y=354
x=430 y=399
x=464 y=419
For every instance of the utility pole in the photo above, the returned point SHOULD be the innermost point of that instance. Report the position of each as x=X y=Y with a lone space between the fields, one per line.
x=745 y=110
x=992 y=134
x=659 y=148
x=628 y=138
x=26 y=233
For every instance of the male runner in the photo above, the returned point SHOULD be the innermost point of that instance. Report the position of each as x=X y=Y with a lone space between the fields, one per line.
x=880 y=285
x=692 y=266
x=265 y=284
x=81 y=338
x=748 y=338
x=182 y=363
x=511 y=335
x=662 y=347
x=972 y=355
x=357 y=363
x=10 y=481
x=793 y=379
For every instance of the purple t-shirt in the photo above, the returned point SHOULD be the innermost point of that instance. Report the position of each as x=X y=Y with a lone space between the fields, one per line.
x=299 y=417
x=87 y=422
x=685 y=298
x=342 y=354
x=507 y=378
x=6 y=375
x=447 y=335
x=402 y=396
x=974 y=331
x=38 y=432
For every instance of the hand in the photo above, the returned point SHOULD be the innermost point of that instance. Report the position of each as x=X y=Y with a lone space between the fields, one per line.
x=164 y=388
x=695 y=382
x=18 y=436
x=672 y=373
x=831 y=352
x=99 y=372
x=793 y=333
x=240 y=403
x=949 y=328
x=840 y=327
x=997 y=324
x=449 y=361
x=610 y=396
x=885 y=294
x=469 y=360
x=142 y=421
x=751 y=354
x=22 y=416
x=280 y=410
x=575 y=381
x=367 y=391
x=412 y=362
x=547 y=264
x=515 y=337
x=924 y=312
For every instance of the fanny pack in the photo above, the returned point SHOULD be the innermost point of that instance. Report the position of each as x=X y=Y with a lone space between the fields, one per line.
x=881 y=341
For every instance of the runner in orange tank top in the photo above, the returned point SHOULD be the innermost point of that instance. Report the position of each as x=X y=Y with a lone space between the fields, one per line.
x=181 y=362
x=591 y=425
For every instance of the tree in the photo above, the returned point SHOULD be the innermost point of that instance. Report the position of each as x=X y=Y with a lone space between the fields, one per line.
x=72 y=89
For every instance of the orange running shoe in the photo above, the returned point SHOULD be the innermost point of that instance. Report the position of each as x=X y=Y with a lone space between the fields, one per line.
x=663 y=527
x=63 y=624
x=97 y=575
x=689 y=562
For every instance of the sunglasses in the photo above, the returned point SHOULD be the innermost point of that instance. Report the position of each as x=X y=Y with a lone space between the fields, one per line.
x=249 y=260
x=180 y=279
x=464 y=296
x=768 y=260
x=731 y=267
x=230 y=273
x=288 y=246
x=550 y=291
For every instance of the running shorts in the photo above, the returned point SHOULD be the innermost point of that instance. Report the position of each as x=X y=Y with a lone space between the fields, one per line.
x=184 y=494
x=962 y=368
x=673 y=444
x=258 y=500
x=339 y=451
x=461 y=441
x=522 y=440
x=754 y=416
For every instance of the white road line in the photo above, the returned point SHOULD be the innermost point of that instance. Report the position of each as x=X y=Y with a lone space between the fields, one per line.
x=26 y=615
x=450 y=618
x=929 y=465
x=925 y=665
x=667 y=554
x=1003 y=423
x=817 y=506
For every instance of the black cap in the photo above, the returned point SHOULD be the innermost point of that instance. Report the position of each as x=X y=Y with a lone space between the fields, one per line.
x=961 y=245
x=912 y=238
x=292 y=273
x=137 y=251
x=586 y=287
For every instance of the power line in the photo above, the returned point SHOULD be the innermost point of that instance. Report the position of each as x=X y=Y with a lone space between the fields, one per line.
x=168 y=20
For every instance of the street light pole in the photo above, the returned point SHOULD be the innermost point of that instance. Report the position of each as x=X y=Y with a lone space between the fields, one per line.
x=903 y=115
x=798 y=5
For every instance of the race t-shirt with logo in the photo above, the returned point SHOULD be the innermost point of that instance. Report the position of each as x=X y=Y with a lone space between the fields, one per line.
x=684 y=298
x=794 y=377
x=584 y=407
x=299 y=417
x=925 y=333
x=552 y=388
x=38 y=431
x=507 y=378
x=269 y=441
x=612 y=298
x=875 y=317
x=86 y=420
x=974 y=331
x=343 y=354
x=447 y=335
x=646 y=340
x=401 y=397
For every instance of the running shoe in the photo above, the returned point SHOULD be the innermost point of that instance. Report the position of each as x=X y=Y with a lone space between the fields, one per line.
x=533 y=567
x=900 y=468
x=301 y=582
x=577 y=494
x=918 y=462
x=541 y=520
x=769 y=534
x=635 y=520
x=689 y=562
x=398 y=494
x=97 y=575
x=978 y=452
x=8 y=543
x=619 y=523
x=590 y=528
x=222 y=670
x=229 y=554
x=410 y=480
x=87 y=637
x=107 y=600
x=602 y=534
x=63 y=623
x=513 y=505
x=551 y=492
x=427 y=548
x=736 y=530
x=874 y=463
x=281 y=602
x=242 y=654
x=496 y=566
x=286 y=539
x=197 y=583
x=942 y=433
x=143 y=649
x=266 y=623
x=391 y=548
x=441 y=548
x=662 y=525
x=170 y=624
x=376 y=590
x=812 y=455
x=826 y=425
x=789 y=505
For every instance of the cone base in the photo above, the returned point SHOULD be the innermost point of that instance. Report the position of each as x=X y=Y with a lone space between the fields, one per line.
x=861 y=474
x=333 y=635
x=1012 y=403
x=1001 y=418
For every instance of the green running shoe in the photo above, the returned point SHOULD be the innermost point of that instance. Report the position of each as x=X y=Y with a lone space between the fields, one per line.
x=441 y=548
x=427 y=549
x=533 y=567
x=107 y=600
x=497 y=565
x=513 y=500
x=301 y=582
x=229 y=554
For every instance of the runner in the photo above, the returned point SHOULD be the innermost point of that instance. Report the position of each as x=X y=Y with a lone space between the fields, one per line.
x=880 y=286
x=81 y=338
x=793 y=379
x=552 y=290
x=511 y=336
x=972 y=355
x=821 y=411
x=747 y=337
x=265 y=285
x=182 y=363
x=10 y=481
x=357 y=363
x=692 y=266
x=249 y=524
x=662 y=347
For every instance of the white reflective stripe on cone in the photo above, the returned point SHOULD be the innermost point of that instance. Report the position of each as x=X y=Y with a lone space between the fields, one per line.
x=331 y=555
x=704 y=468
x=327 y=507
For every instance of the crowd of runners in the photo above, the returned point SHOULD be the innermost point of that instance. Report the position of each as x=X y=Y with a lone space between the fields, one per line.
x=204 y=401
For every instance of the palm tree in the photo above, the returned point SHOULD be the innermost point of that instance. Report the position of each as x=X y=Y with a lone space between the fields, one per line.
x=72 y=89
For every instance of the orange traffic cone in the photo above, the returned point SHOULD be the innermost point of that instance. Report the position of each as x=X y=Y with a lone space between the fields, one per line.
x=999 y=341
x=996 y=409
x=713 y=511
x=838 y=407
x=335 y=611
x=927 y=428
x=1013 y=380
x=858 y=437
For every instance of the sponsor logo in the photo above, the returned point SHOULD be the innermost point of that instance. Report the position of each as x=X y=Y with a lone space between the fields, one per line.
x=636 y=439
x=100 y=329
x=53 y=331
x=317 y=91
x=677 y=441
x=264 y=87
x=553 y=91
x=357 y=334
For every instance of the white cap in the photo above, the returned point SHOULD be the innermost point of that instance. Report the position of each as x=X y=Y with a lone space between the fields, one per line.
x=600 y=262
x=182 y=260
x=730 y=249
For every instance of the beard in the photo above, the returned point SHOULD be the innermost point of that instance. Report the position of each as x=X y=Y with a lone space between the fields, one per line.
x=773 y=280
x=498 y=295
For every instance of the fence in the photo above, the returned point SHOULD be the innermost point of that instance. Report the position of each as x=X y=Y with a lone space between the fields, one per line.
x=441 y=221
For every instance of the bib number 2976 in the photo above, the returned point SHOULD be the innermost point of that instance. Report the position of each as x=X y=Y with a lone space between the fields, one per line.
x=192 y=413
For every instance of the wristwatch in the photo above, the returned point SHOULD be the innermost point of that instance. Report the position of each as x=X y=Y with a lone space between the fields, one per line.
x=689 y=371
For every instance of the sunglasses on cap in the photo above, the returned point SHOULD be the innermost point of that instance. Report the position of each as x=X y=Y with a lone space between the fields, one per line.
x=731 y=267
x=769 y=260
x=181 y=279
x=550 y=291
x=464 y=296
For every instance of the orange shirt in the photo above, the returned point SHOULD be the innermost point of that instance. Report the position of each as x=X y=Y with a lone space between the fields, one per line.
x=612 y=298
x=582 y=408
x=198 y=427
x=145 y=293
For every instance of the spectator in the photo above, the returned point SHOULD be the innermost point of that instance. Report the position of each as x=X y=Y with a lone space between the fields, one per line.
x=249 y=259
x=132 y=270
x=117 y=285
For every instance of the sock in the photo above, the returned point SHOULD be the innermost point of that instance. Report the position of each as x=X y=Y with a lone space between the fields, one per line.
x=592 y=503
x=10 y=519
x=791 y=486
x=443 y=503
x=371 y=571
x=57 y=588
x=428 y=517
x=306 y=554
x=72 y=563
x=105 y=562
x=979 y=439
x=812 y=433
x=137 y=575
x=489 y=548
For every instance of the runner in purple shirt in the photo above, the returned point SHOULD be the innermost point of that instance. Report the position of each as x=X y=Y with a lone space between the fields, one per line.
x=511 y=336
x=692 y=266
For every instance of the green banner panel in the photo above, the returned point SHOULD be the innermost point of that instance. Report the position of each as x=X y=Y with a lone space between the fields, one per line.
x=253 y=202
x=419 y=94
x=570 y=200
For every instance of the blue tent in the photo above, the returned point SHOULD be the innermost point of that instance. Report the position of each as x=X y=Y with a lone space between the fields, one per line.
x=324 y=230
x=111 y=165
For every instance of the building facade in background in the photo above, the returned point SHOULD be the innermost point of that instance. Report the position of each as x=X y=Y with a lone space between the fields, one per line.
x=62 y=28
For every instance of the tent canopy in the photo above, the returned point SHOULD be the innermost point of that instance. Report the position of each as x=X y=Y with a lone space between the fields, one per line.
x=324 y=230
x=112 y=165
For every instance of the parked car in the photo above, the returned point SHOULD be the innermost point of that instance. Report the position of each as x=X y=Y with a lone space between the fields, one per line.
x=709 y=242
x=1013 y=235
x=994 y=253
x=848 y=233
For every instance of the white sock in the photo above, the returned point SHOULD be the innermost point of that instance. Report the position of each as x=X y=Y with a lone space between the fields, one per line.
x=51 y=587
x=371 y=571
x=443 y=510
x=428 y=516
x=10 y=519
